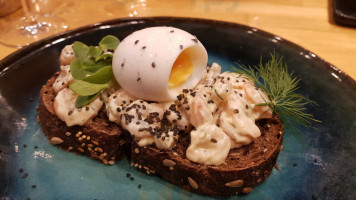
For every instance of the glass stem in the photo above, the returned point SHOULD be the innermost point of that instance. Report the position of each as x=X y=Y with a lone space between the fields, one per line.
x=26 y=9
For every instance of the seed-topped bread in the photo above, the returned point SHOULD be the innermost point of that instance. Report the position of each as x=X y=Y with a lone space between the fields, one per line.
x=99 y=138
x=244 y=168
x=207 y=131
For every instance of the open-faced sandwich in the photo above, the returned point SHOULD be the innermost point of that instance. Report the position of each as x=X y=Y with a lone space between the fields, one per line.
x=154 y=98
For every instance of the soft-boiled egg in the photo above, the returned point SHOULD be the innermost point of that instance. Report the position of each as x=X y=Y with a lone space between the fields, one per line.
x=156 y=63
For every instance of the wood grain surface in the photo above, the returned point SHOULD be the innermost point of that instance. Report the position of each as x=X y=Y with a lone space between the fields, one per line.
x=304 y=22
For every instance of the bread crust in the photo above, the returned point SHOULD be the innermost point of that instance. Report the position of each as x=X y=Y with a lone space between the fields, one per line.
x=99 y=138
x=244 y=168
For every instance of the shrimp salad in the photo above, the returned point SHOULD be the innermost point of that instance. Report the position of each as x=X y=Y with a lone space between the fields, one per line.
x=219 y=113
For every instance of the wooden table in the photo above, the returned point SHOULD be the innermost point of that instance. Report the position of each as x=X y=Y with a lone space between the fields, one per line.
x=304 y=22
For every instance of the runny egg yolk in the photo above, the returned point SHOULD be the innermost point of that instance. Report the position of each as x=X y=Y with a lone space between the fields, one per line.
x=181 y=70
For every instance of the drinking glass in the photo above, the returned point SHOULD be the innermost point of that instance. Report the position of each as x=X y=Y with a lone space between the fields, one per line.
x=34 y=26
x=130 y=8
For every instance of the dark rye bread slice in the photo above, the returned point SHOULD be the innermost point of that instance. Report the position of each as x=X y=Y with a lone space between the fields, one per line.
x=99 y=138
x=244 y=168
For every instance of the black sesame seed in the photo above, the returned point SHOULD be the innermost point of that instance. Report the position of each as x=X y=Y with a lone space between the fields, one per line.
x=25 y=175
x=70 y=112
x=24 y=145
x=213 y=140
x=124 y=102
x=172 y=31
x=181 y=46
x=246 y=106
x=122 y=64
x=138 y=79
x=179 y=97
x=236 y=111
x=185 y=90
x=240 y=95
x=87 y=108
x=144 y=47
x=153 y=65
x=118 y=109
x=315 y=160
x=114 y=97
x=132 y=178
x=128 y=118
x=21 y=170
x=195 y=40
x=138 y=122
x=228 y=78
x=128 y=174
x=136 y=42
x=36 y=147
x=139 y=186
x=187 y=107
x=33 y=186
x=63 y=83
x=172 y=107
x=295 y=164
x=128 y=109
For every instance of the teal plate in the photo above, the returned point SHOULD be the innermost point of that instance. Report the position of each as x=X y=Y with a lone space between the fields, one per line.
x=324 y=169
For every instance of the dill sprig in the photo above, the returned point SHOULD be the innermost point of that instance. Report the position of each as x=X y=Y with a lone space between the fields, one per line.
x=280 y=86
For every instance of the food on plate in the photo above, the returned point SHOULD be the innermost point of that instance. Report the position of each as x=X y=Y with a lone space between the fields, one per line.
x=153 y=97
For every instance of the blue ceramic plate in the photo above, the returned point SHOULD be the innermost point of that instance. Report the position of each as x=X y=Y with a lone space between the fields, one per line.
x=324 y=169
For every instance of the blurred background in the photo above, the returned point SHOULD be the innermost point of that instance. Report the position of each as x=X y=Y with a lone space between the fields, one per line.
x=308 y=23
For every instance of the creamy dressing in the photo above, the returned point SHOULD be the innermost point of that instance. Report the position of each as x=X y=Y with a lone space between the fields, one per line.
x=64 y=106
x=209 y=145
x=220 y=114
x=64 y=78
x=221 y=107
x=67 y=55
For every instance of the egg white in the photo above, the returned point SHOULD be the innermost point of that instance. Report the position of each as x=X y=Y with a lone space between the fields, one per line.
x=143 y=61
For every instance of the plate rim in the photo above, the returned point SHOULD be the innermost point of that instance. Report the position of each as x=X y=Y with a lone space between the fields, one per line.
x=54 y=39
